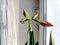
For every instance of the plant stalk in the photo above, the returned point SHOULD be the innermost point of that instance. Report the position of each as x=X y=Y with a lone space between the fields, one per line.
x=31 y=34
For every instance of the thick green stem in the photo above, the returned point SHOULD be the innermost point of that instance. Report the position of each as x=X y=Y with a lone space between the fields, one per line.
x=30 y=25
x=31 y=34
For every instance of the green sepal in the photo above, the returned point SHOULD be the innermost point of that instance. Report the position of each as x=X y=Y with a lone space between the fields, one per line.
x=36 y=14
x=26 y=14
x=34 y=17
x=26 y=19
x=23 y=21
x=39 y=21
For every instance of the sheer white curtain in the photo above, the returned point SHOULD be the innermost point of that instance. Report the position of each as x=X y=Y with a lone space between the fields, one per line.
x=13 y=21
x=3 y=22
x=9 y=13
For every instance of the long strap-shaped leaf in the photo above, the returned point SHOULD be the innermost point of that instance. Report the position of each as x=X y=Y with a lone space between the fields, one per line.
x=26 y=43
x=37 y=43
x=51 y=42
x=32 y=38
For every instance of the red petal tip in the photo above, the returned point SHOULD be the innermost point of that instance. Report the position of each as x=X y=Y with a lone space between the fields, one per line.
x=22 y=21
x=47 y=24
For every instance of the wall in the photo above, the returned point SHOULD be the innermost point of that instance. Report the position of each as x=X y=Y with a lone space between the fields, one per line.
x=29 y=5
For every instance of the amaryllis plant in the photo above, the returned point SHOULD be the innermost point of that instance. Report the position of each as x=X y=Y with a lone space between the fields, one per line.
x=29 y=19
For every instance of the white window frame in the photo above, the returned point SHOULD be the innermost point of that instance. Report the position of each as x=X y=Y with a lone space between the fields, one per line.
x=43 y=16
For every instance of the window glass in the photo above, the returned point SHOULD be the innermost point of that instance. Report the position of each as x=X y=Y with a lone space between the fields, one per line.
x=53 y=16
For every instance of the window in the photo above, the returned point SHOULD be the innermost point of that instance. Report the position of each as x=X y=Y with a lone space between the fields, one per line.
x=53 y=16
x=43 y=16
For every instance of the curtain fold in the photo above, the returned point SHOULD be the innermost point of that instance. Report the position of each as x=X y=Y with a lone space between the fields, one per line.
x=9 y=21
x=3 y=22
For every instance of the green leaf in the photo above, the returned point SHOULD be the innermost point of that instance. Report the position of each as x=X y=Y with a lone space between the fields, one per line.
x=26 y=43
x=51 y=41
x=37 y=43
x=32 y=38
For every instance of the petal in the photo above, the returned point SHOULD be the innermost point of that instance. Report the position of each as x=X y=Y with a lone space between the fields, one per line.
x=26 y=14
x=46 y=24
x=36 y=14
x=37 y=20
x=22 y=21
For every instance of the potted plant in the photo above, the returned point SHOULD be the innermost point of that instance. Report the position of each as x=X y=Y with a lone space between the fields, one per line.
x=29 y=19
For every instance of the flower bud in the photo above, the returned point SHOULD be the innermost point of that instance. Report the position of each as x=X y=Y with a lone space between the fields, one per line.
x=46 y=24
x=26 y=14
x=36 y=14
x=22 y=21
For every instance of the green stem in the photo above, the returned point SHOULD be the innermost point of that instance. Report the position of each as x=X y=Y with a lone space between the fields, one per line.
x=31 y=34
x=30 y=25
